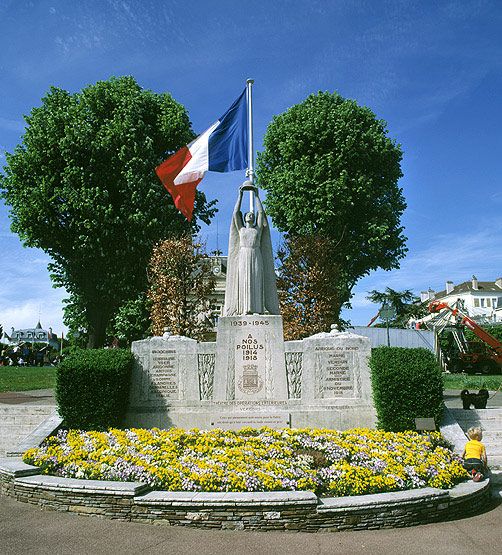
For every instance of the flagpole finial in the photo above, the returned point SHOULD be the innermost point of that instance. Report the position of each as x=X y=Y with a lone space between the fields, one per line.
x=249 y=81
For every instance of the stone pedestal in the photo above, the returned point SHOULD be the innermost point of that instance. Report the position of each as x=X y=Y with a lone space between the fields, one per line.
x=251 y=377
x=250 y=361
x=164 y=371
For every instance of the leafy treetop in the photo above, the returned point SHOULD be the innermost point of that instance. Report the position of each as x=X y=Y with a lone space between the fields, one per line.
x=330 y=169
x=181 y=286
x=405 y=304
x=310 y=297
x=82 y=187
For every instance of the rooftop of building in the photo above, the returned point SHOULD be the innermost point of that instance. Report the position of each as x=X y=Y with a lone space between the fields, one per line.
x=473 y=286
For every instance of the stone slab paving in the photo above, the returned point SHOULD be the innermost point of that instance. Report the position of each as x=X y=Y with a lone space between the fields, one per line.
x=382 y=499
x=452 y=398
x=123 y=489
x=16 y=468
x=215 y=499
x=46 y=428
x=19 y=421
x=490 y=421
x=26 y=529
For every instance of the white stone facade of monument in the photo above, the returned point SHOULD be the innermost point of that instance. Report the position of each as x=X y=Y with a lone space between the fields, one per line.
x=321 y=381
x=250 y=376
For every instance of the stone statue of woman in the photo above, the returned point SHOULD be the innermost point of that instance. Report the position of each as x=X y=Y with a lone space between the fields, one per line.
x=251 y=283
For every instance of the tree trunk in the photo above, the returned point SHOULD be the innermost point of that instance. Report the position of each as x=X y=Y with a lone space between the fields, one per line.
x=98 y=319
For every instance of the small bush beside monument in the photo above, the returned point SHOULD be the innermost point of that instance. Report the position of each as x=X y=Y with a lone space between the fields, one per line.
x=92 y=388
x=407 y=384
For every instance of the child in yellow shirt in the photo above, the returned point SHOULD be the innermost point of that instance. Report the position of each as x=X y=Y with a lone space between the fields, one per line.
x=474 y=454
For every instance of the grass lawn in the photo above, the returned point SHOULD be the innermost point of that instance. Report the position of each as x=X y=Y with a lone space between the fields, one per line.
x=463 y=381
x=24 y=378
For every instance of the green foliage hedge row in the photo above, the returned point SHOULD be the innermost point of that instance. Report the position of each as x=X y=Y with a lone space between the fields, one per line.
x=92 y=388
x=496 y=331
x=407 y=384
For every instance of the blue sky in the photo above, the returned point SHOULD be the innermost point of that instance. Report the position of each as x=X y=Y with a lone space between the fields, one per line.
x=432 y=70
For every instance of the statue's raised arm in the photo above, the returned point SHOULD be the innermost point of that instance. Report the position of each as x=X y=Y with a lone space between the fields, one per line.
x=237 y=214
x=261 y=220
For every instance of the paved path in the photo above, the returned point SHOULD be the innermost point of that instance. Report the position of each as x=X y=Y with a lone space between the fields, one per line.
x=46 y=396
x=25 y=529
x=35 y=396
x=452 y=398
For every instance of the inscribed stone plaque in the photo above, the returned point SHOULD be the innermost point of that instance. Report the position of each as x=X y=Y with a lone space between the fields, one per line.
x=164 y=374
x=236 y=421
x=336 y=374
x=425 y=424
x=250 y=363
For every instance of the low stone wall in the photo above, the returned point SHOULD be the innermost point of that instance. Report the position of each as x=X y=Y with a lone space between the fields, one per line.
x=282 y=510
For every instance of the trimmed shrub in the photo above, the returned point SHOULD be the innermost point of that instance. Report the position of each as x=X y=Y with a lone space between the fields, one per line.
x=92 y=388
x=407 y=384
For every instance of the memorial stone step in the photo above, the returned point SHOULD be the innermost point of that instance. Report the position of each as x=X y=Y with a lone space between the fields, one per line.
x=490 y=421
x=18 y=421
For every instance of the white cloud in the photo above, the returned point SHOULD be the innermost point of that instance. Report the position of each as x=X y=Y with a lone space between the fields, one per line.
x=452 y=257
x=11 y=125
x=26 y=292
x=25 y=314
x=449 y=257
x=3 y=150
x=359 y=300
x=497 y=197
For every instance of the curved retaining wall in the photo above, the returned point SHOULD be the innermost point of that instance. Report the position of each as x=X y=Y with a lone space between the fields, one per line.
x=282 y=510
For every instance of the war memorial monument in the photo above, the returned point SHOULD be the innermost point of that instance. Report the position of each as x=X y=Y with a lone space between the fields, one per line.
x=250 y=376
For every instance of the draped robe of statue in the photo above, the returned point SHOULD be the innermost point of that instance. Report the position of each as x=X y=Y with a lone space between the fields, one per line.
x=251 y=283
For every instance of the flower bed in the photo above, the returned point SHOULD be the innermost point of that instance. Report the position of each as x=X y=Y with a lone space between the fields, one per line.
x=327 y=462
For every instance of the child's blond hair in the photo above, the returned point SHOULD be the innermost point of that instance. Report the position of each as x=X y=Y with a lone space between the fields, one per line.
x=475 y=433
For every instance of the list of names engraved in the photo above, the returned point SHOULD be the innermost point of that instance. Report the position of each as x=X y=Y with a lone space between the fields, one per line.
x=337 y=374
x=164 y=379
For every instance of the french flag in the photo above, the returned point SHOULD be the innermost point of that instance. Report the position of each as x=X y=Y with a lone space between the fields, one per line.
x=221 y=148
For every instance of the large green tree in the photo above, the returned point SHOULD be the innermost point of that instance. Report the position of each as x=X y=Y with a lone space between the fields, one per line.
x=330 y=170
x=81 y=186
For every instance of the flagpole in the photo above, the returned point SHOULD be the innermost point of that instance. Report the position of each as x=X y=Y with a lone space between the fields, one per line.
x=250 y=170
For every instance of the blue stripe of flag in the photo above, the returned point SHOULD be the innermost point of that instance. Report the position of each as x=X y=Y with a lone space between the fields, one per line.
x=227 y=144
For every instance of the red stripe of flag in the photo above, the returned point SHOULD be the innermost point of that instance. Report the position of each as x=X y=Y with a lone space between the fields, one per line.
x=183 y=194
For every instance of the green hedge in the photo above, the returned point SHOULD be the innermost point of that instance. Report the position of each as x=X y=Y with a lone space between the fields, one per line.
x=496 y=331
x=407 y=384
x=92 y=388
